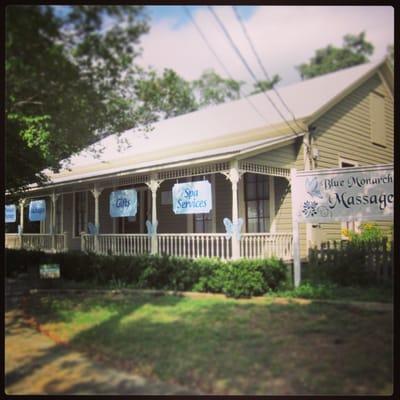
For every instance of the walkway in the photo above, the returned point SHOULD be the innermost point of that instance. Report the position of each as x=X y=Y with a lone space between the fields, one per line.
x=34 y=364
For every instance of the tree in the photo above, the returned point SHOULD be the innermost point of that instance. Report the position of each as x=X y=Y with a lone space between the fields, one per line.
x=160 y=97
x=65 y=76
x=211 y=88
x=355 y=51
x=264 y=85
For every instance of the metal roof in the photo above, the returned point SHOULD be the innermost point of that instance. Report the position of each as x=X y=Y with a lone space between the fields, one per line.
x=215 y=130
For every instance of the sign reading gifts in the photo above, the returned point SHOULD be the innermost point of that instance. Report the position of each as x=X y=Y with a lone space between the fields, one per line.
x=11 y=213
x=358 y=193
x=37 y=210
x=123 y=203
x=192 y=197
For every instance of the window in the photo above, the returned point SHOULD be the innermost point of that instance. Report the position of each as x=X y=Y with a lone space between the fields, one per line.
x=83 y=212
x=377 y=115
x=202 y=223
x=349 y=225
x=257 y=203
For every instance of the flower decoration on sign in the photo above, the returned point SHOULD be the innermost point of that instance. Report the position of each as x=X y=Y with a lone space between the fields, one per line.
x=312 y=188
x=310 y=208
x=151 y=229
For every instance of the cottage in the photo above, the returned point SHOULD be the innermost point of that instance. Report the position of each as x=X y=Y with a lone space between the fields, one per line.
x=244 y=149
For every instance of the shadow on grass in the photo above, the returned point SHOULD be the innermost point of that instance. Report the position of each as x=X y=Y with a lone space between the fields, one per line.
x=234 y=347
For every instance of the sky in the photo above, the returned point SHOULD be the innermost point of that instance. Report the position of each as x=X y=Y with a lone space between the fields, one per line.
x=283 y=36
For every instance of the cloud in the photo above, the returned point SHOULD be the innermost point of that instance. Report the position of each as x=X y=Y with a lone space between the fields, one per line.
x=284 y=36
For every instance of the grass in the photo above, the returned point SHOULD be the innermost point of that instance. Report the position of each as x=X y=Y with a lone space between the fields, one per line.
x=225 y=346
x=306 y=290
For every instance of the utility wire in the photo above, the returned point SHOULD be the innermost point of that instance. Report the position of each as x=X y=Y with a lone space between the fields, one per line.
x=219 y=60
x=247 y=66
x=239 y=18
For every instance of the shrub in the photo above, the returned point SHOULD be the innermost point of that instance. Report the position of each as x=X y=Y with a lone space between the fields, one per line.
x=240 y=278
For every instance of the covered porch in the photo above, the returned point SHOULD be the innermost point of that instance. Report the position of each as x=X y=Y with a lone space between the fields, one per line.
x=241 y=189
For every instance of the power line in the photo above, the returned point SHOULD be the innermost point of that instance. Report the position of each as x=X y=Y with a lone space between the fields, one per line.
x=219 y=60
x=239 y=18
x=247 y=66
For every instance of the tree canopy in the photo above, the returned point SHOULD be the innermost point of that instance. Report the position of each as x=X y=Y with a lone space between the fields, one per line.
x=264 y=85
x=355 y=51
x=64 y=82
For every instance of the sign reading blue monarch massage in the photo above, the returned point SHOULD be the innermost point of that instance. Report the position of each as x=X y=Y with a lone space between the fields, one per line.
x=37 y=210
x=11 y=213
x=192 y=197
x=123 y=203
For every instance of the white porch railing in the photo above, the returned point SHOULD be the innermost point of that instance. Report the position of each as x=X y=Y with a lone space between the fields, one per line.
x=194 y=245
x=119 y=244
x=266 y=245
x=37 y=241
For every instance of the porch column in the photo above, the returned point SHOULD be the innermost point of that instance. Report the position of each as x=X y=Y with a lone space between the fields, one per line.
x=21 y=214
x=96 y=194
x=54 y=198
x=153 y=185
x=234 y=176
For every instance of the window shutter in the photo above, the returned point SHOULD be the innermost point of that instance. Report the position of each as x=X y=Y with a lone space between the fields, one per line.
x=377 y=113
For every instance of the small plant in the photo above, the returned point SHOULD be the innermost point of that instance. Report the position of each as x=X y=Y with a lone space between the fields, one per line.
x=117 y=284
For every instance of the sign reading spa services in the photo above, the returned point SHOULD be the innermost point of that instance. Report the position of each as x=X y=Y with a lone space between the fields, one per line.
x=192 y=197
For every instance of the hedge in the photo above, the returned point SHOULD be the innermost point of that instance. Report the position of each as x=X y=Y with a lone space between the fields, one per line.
x=239 y=278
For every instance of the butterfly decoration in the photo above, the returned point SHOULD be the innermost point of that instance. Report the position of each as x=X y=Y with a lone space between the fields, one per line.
x=233 y=228
x=151 y=229
x=312 y=188
x=19 y=230
x=92 y=229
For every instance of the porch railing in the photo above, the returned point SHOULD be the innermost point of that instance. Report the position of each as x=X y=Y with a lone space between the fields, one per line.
x=194 y=245
x=37 y=241
x=266 y=245
x=119 y=244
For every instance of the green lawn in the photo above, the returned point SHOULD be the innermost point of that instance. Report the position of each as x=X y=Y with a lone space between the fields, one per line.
x=225 y=346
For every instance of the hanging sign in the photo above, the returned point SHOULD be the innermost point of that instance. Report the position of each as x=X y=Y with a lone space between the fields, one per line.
x=11 y=213
x=123 y=203
x=192 y=197
x=37 y=210
x=357 y=193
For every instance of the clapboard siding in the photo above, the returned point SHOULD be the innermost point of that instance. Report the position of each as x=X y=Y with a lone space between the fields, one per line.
x=282 y=157
x=344 y=131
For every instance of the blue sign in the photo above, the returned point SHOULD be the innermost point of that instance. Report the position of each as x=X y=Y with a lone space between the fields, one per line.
x=123 y=203
x=192 y=197
x=37 y=210
x=11 y=213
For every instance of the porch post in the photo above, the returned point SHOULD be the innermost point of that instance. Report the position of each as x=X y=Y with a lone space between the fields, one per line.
x=96 y=194
x=153 y=185
x=54 y=198
x=234 y=176
x=21 y=214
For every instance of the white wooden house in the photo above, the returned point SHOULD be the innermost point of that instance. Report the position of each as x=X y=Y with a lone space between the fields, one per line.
x=244 y=148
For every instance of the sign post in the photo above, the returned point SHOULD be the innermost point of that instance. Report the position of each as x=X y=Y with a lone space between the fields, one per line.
x=339 y=194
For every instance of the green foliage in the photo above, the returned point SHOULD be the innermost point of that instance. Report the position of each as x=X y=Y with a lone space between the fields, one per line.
x=308 y=290
x=240 y=278
x=264 y=85
x=65 y=76
x=390 y=54
x=368 y=232
x=211 y=88
x=355 y=51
